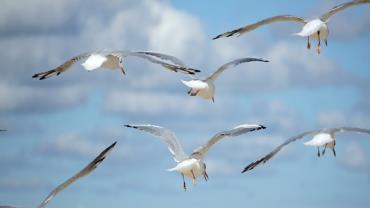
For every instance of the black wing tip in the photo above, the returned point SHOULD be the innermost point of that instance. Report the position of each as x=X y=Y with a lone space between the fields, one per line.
x=217 y=37
x=35 y=76
x=262 y=126
x=112 y=145
x=130 y=126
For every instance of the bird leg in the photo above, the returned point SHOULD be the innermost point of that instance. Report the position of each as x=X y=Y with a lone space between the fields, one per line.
x=323 y=151
x=183 y=180
x=308 y=42
x=326 y=42
x=205 y=175
x=318 y=151
x=335 y=154
x=213 y=99
x=192 y=173
x=319 y=43
x=123 y=70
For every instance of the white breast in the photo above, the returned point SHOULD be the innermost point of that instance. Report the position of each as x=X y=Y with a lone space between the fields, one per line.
x=185 y=167
x=94 y=61
x=320 y=140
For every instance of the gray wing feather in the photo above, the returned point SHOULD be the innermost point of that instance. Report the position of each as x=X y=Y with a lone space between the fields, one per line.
x=341 y=7
x=234 y=63
x=62 y=68
x=352 y=129
x=201 y=151
x=85 y=171
x=276 y=150
x=248 y=28
x=167 y=136
x=172 y=67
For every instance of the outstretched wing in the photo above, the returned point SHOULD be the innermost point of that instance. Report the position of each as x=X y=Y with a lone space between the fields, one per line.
x=87 y=170
x=341 y=7
x=165 y=57
x=248 y=28
x=352 y=129
x=236 y=62
x=276 y=150
x=201 y=151
x=62 y=68
x=158 y=58
x=167 y=136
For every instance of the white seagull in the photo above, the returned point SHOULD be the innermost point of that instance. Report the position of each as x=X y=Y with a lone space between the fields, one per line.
x=323 y=137
x=85 y=171
x=192 y=166
x=316 y=28
x=113 y=60
x=205 y=88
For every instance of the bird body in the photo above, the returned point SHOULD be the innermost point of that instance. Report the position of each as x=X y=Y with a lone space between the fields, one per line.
x=325 y=137
x=192 y=166
x=315 y=28
x=111 y=59
x=311 y=28
x=96 y=61
x=320 y=139
x=202 y=88
x=205 y=88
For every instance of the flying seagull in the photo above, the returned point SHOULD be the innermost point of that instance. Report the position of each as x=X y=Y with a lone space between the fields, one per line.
x=113 y=60
x=85 y=171
x=205 y=88
x=321 y=138
x=192 y=166
x=316 y=28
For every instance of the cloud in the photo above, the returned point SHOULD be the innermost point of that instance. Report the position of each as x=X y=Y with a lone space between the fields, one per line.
x=27 y=99
x=355 y=157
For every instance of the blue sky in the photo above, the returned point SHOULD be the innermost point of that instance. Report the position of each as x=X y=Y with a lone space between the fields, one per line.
x=58 y=125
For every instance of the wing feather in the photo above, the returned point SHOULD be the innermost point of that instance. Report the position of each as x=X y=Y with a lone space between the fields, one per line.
x=62 y=68
x=202 y=150
x=234 y=63
x=85 y=171
x=167 y=136
x=325 y=17
x=270 y=20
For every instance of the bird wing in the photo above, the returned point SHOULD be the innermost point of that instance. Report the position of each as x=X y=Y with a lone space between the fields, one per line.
x=234 y=63
x=248 y=28
x=325 y=17
x=87 y=170
x=165 y=57
x=276 y=150
x=167 y=136
x=62 y=68
x=353 y=129
x=202 y=150
x=3 y=130
x=158 y=58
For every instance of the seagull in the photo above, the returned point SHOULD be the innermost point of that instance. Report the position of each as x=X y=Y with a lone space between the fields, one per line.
x=316 y=28
x=85 y=171
x=205 y=87
x=113 y=59
x=323 y=137
x=192 y=166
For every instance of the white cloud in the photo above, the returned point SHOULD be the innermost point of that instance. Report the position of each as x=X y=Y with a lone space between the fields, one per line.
x=33 y=99
x=355 y=157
